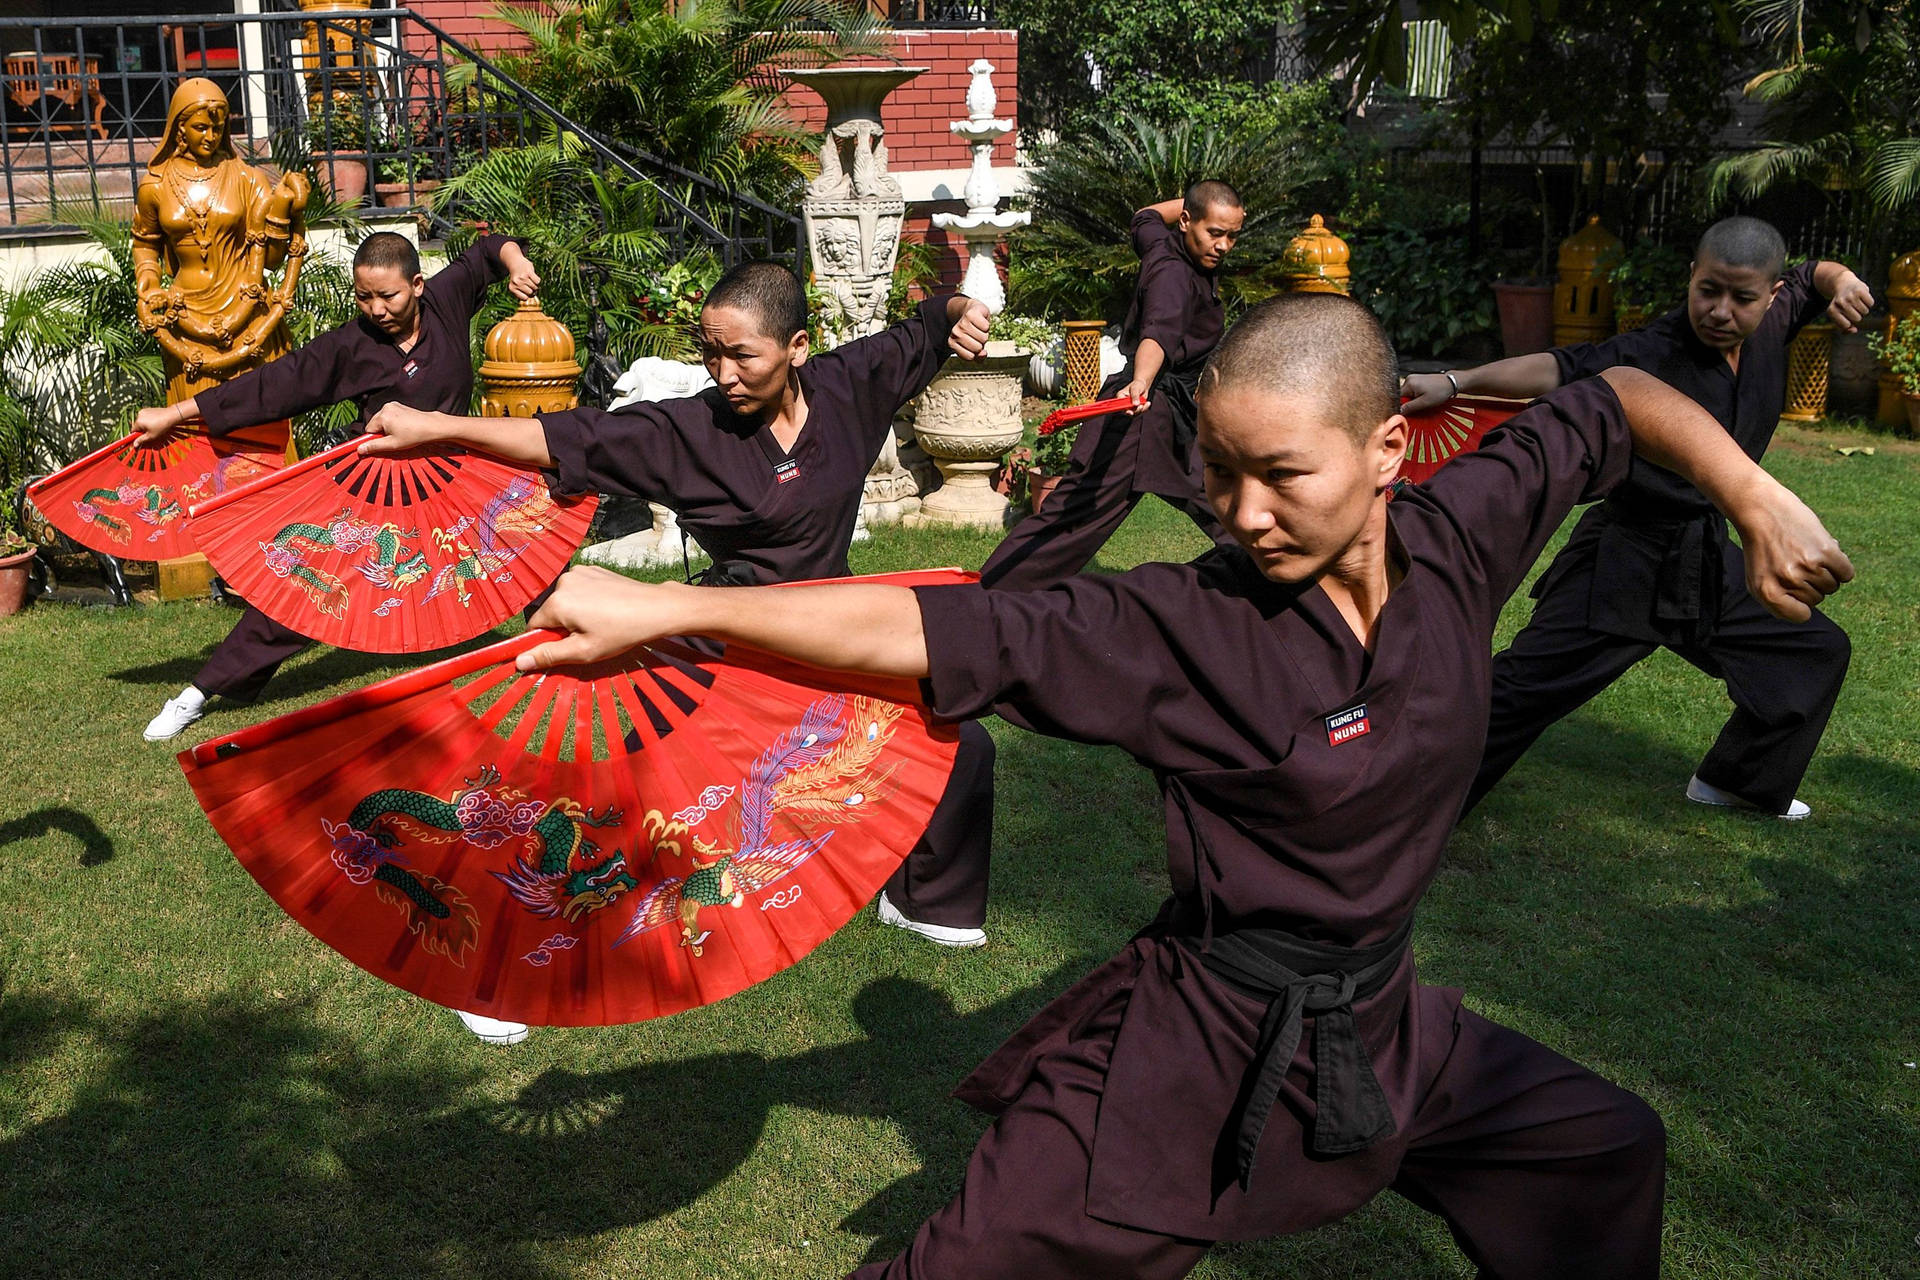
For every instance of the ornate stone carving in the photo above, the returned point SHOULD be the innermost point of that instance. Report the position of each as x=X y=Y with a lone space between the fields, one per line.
x=966 y=419
x=853 y=211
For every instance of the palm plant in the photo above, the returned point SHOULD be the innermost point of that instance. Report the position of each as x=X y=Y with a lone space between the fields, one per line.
x=694 y=83
x=591 y=235
x=1844 y=103
x=1076 y=257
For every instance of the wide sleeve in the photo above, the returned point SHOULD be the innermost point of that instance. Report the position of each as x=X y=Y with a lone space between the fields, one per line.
x=1504 y=500
x=1086 y=659
x=634 y=452
x=309 y=377
x=1800 y=297
x=1639 y=348
x=893 y=366
x=1164 y=288
x=462 y=283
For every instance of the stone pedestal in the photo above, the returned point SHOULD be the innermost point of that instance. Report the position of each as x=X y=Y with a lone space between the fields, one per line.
x=968 y=418
x=853 y=212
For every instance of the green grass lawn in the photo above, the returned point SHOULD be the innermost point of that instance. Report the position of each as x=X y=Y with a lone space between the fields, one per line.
x=190 y=1085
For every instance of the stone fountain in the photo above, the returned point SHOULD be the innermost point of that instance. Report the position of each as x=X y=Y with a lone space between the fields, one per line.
x=853 y=211
x=982 y=226
x=970 y=416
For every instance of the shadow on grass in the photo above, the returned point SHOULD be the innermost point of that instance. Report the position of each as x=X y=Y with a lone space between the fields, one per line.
x=331 y=667
x=95 y=847
x=227 y=1138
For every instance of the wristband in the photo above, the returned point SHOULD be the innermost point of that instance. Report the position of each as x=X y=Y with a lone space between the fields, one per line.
x=1451 y=381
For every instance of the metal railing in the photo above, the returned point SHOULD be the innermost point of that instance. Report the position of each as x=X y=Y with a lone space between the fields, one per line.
x=83 y=104
x=937 y=13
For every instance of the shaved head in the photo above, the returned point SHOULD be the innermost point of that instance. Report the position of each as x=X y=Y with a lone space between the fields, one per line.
x=1311 y=346
x=1210 y=193
x=768 y=292
x=388 y=249
x=1744 y=242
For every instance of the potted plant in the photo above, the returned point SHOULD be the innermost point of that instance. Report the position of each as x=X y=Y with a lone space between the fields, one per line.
x=16 y=565
x=1051 y=453
x=406 y=164
x=1011 y=479
x=1900 y=349
x=1648 y=281
x=337 y=140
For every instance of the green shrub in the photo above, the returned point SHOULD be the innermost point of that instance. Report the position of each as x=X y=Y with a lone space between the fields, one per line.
x=1283 y=153
x=1428 y=292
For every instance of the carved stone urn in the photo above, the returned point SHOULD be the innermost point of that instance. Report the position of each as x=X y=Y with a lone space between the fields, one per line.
x=529 y=367
x=966 y=421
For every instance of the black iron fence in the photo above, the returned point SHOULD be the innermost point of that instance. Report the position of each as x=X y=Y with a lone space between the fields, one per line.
x=937 y=13
x=361 y=98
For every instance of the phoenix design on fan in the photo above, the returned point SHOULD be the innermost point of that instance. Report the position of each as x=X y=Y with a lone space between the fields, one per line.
x=824 y=772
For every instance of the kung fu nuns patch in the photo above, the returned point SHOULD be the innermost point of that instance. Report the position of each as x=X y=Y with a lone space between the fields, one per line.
x=1345 y=726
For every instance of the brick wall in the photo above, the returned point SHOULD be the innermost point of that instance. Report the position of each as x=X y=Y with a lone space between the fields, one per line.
x=917 y=113
x=467 y=22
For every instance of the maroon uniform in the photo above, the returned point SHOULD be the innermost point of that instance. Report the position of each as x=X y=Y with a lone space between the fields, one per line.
x=767 y=514
x=358 y=362
x=1262 y=1059
x=1653 y=566
x=1119 y=458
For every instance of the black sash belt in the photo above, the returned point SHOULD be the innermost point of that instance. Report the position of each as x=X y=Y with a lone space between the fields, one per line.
x=1298 y=978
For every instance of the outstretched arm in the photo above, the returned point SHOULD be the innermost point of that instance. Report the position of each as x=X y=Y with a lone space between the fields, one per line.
x=1516 y=378
x=863 y=627
x=522 y=440
x=1792 y=561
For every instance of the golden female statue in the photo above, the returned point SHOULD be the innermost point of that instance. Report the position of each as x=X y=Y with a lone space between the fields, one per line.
x=213 y=225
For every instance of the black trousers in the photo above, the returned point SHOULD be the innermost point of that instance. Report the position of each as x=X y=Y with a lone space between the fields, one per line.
x=1542 y=1170
x=241 y=665
x=1783 y=678
x=944 y=880
x=1101 y=488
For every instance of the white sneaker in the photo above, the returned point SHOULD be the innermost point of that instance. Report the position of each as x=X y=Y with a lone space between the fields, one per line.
x=1706 y=793
x=945 y=935
x=181 y=710
x=492 y=1030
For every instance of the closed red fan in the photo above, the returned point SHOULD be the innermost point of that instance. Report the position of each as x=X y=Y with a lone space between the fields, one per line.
x=393 y=553
x=1080 y=412
x=584 y=847
x=130 y=499
x=1436 y=436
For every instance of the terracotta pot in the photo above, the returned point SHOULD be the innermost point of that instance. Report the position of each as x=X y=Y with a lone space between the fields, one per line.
x=1039 y=487
x=1913 y=412
x=14 y=572
x=401 y=195
x=1526 y=316
x=344 y=174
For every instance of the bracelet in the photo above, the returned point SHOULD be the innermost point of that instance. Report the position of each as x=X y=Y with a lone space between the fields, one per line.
x=1451 y=380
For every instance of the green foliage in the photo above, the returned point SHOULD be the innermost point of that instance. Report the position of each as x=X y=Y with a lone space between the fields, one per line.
x=1077 y=259
x=1427 y=291
x=916 y=270
x=1843 y=104
x=343 y=124
x=1167 y=61
x=1900 y=350
x=1029 y=333
x=694 y=83
x=1651 y=278
x=1053 y=449
x=591 y=236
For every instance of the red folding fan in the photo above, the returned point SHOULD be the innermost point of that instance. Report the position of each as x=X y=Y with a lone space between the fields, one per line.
x=589 y=846
x=392 y=553
x=1079 y=412
x=1437 y=435
x=130 y=499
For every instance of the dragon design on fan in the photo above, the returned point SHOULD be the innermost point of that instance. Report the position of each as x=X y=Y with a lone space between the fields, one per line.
x=148 y=503
x=558 y=872
x=392 y=565
x=524 y=507
x=822 y=772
